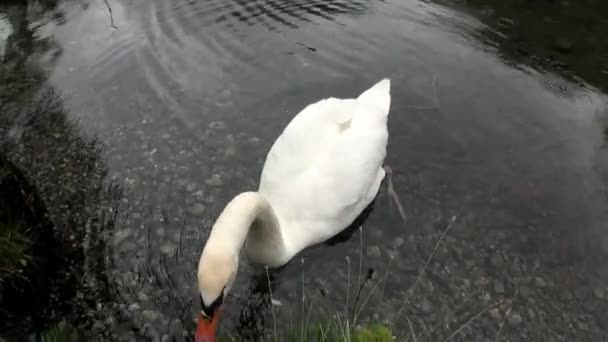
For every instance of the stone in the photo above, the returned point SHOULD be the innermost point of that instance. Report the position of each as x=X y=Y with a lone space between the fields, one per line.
x=109 y=321
x=176 y=328
x=562 y=44
x=142 y=297
x=215 y=180
x=526 y=291
x=98 y=326
x=168 y=249
x=425 y=305
x=133 y=307
x=373 y=251
x=496 y=260
x=515 y=319
x=495 y=314
x=150 y=315
x=397 y=243
x=580 y=293
x=498 y=286
x=598 y=293
x=120 y=236
x=540 y=282
x=197 y=209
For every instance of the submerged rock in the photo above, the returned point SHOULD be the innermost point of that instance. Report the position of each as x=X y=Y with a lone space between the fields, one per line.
x=373 y=251
x=150 y=315
x=197 y=209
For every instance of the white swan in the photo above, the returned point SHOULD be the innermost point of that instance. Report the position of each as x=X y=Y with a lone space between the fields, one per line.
x=320 y=174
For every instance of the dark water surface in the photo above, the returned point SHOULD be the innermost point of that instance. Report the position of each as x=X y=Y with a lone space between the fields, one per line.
x=184 y=99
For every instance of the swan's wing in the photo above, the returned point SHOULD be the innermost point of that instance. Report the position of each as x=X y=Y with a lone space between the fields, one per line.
x=324 y=169
x=313 y=133
x=305 y=139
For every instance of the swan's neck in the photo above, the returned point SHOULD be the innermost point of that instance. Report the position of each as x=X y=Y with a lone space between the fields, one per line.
x=249 y=220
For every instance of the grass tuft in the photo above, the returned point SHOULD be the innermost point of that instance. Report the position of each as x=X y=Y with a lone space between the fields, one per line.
x=61 y=332
x=14 y=251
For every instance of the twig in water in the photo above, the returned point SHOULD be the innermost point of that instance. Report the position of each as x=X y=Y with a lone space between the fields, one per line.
x=274 y=319
x=360 y=267
x=347 y=286
x=411 y=329
x=502 y=324
x=391 y=192
x=437 y=100
x=453 y=311
x=467 y=323
x=111 y=14
x=303 y=301
x=382 y=280
x=357 y=314
x=428 y=261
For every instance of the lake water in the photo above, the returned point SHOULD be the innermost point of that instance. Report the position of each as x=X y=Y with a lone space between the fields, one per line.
x=184 y=99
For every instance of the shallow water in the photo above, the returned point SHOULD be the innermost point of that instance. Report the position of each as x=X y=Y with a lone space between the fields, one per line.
x=186 y=97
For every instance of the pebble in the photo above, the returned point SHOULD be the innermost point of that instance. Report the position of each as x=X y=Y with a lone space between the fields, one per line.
x=495 y=314
x=109 y=321
x=142 y=297
x=168 y=249
x=496 y=260
x=515 y=319
x=397 y=243
x=98 y=326
x=498 y=286
x=215 y=180
x=540 y=282
x=598 y=293
x=525 y=291
x=579 y=293
x=425 y=305
x=197 y=209
x=373 y=251
x=176 y=328
x=150 y=315
x=119 y=236
x=562 y=44
x=133 y=307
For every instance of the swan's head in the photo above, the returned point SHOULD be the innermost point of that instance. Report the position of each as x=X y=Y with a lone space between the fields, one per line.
x=216 y=273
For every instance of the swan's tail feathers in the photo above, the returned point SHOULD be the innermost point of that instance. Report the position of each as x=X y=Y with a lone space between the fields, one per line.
x=378 y=95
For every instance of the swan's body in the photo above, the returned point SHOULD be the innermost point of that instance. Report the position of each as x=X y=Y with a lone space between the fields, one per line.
x=320 y=174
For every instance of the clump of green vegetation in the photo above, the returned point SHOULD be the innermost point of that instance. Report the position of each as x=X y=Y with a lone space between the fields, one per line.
x=330 y=330
x=334 y=330
x=374 y=333
x=61 y=332
x=14 y=251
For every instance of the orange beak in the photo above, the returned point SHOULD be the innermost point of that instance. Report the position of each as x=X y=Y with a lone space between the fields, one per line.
x=207 y=327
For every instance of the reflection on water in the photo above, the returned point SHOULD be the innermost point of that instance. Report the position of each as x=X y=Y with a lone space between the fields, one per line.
x=188 y=97
x=563 y=36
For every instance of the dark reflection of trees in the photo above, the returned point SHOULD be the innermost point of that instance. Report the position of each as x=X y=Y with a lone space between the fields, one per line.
x=273 y=14
x=64 y=173
x=570 y=37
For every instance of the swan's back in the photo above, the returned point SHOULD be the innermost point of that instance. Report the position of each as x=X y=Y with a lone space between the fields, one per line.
x=326 y=166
